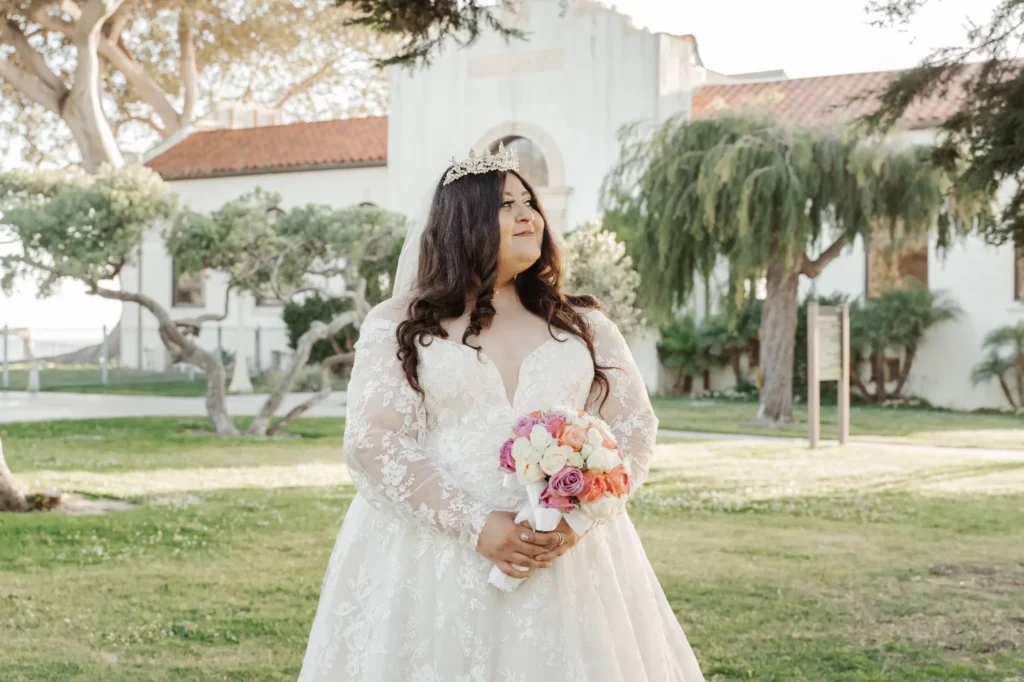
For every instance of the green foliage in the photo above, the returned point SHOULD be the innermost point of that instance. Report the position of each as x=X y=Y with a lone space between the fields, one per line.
x=759 y=193
x=895 y=321
x=598 y=265
x=424 y=27
x=298 y=316
x=981 y=142
x=1004 y=362
x=680 y=350
x=72 y=225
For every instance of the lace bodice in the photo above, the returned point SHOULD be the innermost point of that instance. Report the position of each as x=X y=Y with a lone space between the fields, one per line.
x=433 y=461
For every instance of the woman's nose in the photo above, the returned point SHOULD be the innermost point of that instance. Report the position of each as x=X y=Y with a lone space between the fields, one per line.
x=525 y=215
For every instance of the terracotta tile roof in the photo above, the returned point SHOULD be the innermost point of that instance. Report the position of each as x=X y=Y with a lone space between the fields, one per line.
x=280 y=148
x=823 y=100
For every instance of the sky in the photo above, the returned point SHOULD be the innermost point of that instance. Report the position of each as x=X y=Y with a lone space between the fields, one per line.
x=802 y=37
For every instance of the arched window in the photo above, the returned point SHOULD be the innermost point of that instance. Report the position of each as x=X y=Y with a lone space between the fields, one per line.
x=532 y=164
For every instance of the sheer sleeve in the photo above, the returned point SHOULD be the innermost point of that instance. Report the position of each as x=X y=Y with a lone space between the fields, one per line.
x=628 y=409
x=385 y=422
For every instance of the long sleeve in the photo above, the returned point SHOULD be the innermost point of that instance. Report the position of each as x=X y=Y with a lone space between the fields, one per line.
x=386 y=418
x=628 y=409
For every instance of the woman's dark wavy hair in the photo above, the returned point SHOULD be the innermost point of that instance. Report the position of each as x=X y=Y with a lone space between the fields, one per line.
x=459 y=256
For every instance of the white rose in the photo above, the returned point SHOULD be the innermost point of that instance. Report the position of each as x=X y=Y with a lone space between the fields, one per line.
x=554 y=458
x=594 y=438
x=540 y=438
x=520 y=449
x=604 y=508
x=529 y=472
x=603 y=459
x=575 y=459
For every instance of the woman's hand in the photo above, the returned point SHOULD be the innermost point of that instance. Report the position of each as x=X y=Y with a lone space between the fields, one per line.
x=568 y=537
x=508 y=544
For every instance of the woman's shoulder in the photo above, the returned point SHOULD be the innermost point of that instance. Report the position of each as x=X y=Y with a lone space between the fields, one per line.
x=595 y=315
x=393 y=312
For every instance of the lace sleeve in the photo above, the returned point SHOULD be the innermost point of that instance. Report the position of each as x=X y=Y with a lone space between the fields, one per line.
x=386 y=418
x=628 y=409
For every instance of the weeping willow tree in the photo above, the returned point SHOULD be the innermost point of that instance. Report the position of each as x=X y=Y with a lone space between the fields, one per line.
x=772 y=201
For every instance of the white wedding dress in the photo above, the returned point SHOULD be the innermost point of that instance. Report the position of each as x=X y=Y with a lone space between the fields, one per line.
x=406 y=598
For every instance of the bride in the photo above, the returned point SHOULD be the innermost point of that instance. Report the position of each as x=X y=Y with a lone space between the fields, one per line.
x=440 y=376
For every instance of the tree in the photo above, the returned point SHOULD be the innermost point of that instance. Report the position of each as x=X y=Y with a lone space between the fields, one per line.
x=598 y=265
x=308 y=251
x=898 y=320
x=980 y=145
x=112 y=73
x=1005 y=357
x=768 y=199
x=89 y=227
x=679 y=349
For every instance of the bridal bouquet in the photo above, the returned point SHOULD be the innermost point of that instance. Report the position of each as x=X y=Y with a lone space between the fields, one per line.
x=570 y=466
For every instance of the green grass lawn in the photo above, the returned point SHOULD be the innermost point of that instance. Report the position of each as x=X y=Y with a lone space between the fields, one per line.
x=897 y=425
x=855 y=565
x=126 y=381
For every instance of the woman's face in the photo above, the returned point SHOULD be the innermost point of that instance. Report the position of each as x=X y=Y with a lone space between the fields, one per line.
x=522 y=230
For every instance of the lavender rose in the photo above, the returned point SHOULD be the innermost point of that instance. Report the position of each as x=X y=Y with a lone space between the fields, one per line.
x=568 y=482
x=524 y=425
x=507 y=462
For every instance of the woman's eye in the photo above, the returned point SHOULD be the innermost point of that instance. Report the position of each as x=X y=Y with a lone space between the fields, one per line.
x=507 y=204
x=529 y=202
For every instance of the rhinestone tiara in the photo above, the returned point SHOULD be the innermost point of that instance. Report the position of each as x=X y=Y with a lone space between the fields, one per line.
x=502 y=160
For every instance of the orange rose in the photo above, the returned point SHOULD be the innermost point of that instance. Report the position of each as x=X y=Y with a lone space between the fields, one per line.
x=574 y=436
x=618 y=482
x=595 y=486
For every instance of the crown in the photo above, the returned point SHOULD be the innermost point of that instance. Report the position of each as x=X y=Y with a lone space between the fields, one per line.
x=502 y=160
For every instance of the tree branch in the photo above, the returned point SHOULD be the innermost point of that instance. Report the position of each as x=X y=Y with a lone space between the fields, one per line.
x=147 y=87
x=304 y=84
x=11 y=33
x=813 y=268
x=187 y=66
x=31 y=87
x=326 y=369
x=147 y=120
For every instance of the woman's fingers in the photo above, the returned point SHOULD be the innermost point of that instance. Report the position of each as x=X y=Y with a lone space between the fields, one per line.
x=511 y=571
x=542 y=540
x=528 y=561
x=550 y=556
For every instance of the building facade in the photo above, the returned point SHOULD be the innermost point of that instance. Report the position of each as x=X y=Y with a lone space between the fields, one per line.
x=560 y=98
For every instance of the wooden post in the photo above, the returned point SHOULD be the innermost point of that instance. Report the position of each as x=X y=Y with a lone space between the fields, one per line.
x=813 y=384
x=844 y=377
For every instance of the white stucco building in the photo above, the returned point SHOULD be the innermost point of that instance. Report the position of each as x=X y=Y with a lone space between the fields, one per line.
x=560 y=98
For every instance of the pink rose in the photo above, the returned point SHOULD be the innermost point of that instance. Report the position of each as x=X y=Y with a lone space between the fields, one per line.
x=595 y=486
x=574 y=436
x=554 y=422
x=618 y=482
x=506 y=462
x=568 y=482
x=555 y=501
x=524 y=425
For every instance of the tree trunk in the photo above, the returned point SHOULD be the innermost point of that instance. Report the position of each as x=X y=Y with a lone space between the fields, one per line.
x=183 y=350
x=317 y=331
x=326 y=372
x=878 y=361
x=908 y=361
x=1006 y=392
x=687 y=384
x=82 y=109
x=737 y=371
x=12 y=495
x=778 y=337
x=706 y=376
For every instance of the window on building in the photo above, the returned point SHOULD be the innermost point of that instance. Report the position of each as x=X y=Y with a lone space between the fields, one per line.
x=532 y=164
x=1018 y=274
x=188 y=288
x=892 y=267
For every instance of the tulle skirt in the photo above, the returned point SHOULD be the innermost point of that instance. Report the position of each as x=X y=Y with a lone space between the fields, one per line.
x=402 y=604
